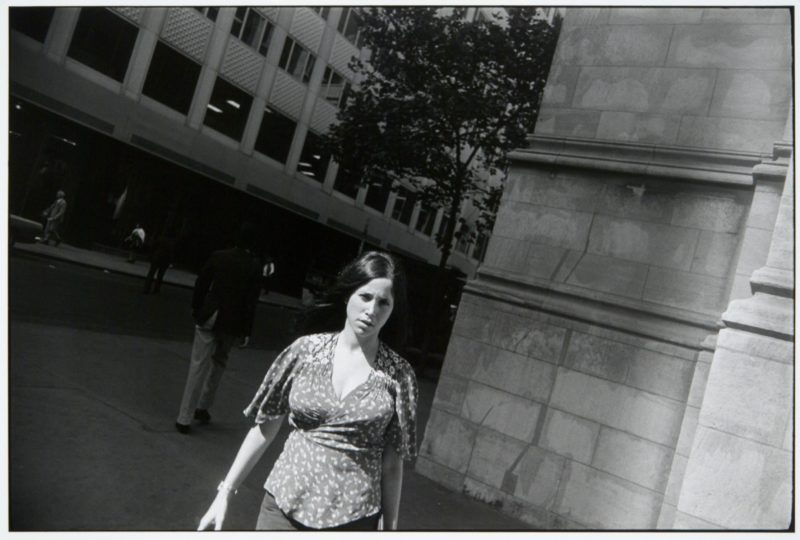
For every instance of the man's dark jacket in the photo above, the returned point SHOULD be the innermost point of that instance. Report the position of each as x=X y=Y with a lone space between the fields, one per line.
x=229 y=282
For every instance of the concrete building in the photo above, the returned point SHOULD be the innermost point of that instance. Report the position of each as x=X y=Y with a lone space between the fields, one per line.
x=624 y=357
x=234 y=96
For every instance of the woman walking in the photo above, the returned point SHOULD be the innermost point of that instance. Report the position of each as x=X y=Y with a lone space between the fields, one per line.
x=351 y=402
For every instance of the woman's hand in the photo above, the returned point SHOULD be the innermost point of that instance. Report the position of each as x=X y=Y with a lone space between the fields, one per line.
x=216 y=513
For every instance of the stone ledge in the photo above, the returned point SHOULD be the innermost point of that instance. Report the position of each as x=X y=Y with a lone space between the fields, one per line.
x=682 y=163
x=762 y=314
x=773 y=281
x=669 y=325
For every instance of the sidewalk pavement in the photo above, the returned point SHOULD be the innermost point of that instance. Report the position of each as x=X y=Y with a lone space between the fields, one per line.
x=93 y=446
x=119 y=265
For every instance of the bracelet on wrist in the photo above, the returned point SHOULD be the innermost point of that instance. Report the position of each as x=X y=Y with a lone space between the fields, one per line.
x=227 y=488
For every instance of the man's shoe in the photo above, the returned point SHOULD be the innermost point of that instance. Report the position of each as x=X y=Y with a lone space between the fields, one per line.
x=202 y=416
x=182 y=428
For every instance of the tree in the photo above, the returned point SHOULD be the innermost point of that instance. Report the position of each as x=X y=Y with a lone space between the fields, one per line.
x=440 y=103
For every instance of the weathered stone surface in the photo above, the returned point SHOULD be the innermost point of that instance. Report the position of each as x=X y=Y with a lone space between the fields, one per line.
x=633 y=458
x=564 y=189
x=536 y=477
x=762 y=314
x=737 y=483
x=644 y=90
x=694 y=292
x=450 y=392
x=567 y=264
x=448 y=441
x=736 y=46
x=569 y=436
x=586 y=16
x=715 y=253
x=606 y=274
x=654 y=16
x=542 y=225
x=449 y=478
x=560 y=86
x=640 y=413
x=675 y=482
x=751 y=15
x=714 y=212
x=685 y=522
x=507 y=254
x=542 y=261
x=754 y=251
x=638 y=127
x=567 y=122
x=650 y=243
x=501 y=411
x=532 y=338
x=604 y=501
x=666 y=518
x=699 y=382
x=537 y=518
x=729 y=133
x=762 y=95
x=749 y=397
x=741 y=287
x=634 y=45
x=777 y=350
x=463 y=354
x=517 y=374
x=599 y=357
x=656 y=203
x=688 y=431
x=661 y=374
x=493 y=457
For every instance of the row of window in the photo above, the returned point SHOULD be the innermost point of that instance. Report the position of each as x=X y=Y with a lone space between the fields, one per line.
x=105 y=41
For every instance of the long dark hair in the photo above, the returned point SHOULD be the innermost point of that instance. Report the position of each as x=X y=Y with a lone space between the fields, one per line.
x=328 y=311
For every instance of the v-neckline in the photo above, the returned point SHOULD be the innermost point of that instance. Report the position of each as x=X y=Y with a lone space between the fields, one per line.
x=329 y=377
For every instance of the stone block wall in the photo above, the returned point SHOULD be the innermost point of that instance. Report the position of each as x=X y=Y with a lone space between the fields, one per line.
x=701 y=77
x=584 y=385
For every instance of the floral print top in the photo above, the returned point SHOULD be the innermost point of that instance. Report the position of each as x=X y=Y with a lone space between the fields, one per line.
x=329 y=472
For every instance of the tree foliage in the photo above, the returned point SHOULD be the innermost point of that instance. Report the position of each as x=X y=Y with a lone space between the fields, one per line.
x=441 y=102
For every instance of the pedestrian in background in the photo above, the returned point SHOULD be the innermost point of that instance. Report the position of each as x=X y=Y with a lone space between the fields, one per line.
x=223 y=306
x=160 y=259
x=351 y=402
x=54 y=217
x=135 y=241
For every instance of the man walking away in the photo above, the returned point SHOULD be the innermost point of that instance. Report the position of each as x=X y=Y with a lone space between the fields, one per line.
x=160 y=259
x=224 y=304
x=55 y=217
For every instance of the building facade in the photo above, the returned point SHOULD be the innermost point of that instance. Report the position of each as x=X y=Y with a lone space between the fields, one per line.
x=624 y=357
x=160 y=114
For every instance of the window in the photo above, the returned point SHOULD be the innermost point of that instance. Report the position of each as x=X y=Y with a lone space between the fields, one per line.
x=463 y=240
x=275 y=135
x=350 y=25
x=31 y=21
x=296 y=60
x=171 y=78
x=252 y=28
x=481 y=244
x=346 y=182
x=403 y=205
x=427 y=216
x=335 y=87
x=322 y=11
x=377 y=196
x=228 y=109
x=103 y=41
x=210 y=12
x=313 y=161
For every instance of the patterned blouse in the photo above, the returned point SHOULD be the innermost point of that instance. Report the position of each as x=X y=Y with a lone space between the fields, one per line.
x=329 y=472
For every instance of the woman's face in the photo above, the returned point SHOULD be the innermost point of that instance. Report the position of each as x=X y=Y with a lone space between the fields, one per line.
x=369 y=307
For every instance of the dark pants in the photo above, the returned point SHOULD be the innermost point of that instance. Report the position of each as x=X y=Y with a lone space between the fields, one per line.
x=157 y=271
x=272 y=518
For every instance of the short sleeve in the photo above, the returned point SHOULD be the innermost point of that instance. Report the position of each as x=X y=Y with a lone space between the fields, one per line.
x=401 y=433
x=272 y=398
